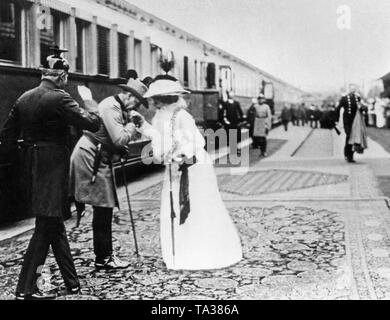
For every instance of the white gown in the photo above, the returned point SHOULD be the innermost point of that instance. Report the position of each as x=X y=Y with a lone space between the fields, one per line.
x=208 y=239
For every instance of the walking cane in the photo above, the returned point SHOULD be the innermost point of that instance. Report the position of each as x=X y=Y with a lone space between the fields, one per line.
x=173 y=215
x=129 y=206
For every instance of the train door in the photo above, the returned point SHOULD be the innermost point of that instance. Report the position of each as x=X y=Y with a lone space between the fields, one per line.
x=225 y=81
x=269 y=94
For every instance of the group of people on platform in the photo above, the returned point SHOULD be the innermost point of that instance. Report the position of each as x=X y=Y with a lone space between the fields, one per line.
x=196 y=230
x=378 y=112
x=316 y=117
x=258 y=119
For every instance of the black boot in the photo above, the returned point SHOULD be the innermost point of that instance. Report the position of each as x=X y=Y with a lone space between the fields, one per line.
x=38 y=295
x=112 y=262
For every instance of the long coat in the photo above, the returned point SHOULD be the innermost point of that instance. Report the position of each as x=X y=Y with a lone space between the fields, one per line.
x=114 y=134
x=286 y=114
x=250 y=118
x=41 y=118
x=263 y=120
x=233 y=113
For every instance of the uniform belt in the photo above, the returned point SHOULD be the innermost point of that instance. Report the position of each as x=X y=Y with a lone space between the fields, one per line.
x=105 y=147
x=96 y=142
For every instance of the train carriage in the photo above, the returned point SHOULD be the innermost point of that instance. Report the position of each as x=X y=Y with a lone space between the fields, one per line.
x=105 y=38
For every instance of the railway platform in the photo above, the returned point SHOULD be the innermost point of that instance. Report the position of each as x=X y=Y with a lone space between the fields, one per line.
x=312 y=227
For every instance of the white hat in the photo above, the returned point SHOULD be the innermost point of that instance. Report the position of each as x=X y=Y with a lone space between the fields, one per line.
x=165 y=86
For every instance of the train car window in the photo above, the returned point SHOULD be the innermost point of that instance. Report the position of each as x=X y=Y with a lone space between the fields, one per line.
x=137 y=55
x=10 y=31
x=155 y=59
x=210 y=76
x=80 y=41
x=52 y=33
x=196 y=81
x=185 y=71
x=103 y=50
x=203 y=73
x=123 y=54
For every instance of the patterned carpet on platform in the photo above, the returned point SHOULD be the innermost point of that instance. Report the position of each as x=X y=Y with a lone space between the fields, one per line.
x=261 y=182
x=290 y=253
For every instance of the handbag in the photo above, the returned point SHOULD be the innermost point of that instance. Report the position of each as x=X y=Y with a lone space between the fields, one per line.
x=184 y=193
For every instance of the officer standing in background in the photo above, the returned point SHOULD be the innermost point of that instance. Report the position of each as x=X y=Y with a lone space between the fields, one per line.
x=302 y=116
x=232 y=117
x=350 y=104
x=250 y=118
x=286 y=116
x=263 y=124
x=40 y=121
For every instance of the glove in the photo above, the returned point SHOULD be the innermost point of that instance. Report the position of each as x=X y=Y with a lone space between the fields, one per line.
x=84 y=92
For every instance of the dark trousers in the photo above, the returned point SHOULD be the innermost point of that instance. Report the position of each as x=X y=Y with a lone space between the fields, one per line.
x=261 y=143
x=48 y=232
x=251 y=129
x=348 y=151
x=102 y=232
x=285 y=124
x=314 y=124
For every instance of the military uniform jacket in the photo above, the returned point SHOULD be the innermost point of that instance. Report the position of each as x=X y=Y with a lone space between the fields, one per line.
x=251 y=115
x=114 y=134
x=263 y=120
x=286 y=114
x=350 y=104
x=42 y=117
x=233 y=113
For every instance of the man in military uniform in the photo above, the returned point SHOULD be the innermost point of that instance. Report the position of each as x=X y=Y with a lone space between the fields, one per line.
x=350 y=104
x=92 y=178
x=40 y=121
x=250 y=118
x=232 y=116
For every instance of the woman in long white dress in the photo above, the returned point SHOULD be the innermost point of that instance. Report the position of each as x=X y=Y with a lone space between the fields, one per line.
x=207 y=239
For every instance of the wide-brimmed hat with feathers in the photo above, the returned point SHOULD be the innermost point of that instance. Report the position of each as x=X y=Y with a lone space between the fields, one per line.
x=165 y=85
x=55 y=64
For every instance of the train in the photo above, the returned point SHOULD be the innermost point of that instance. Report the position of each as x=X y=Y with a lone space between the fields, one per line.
x=105 y=39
